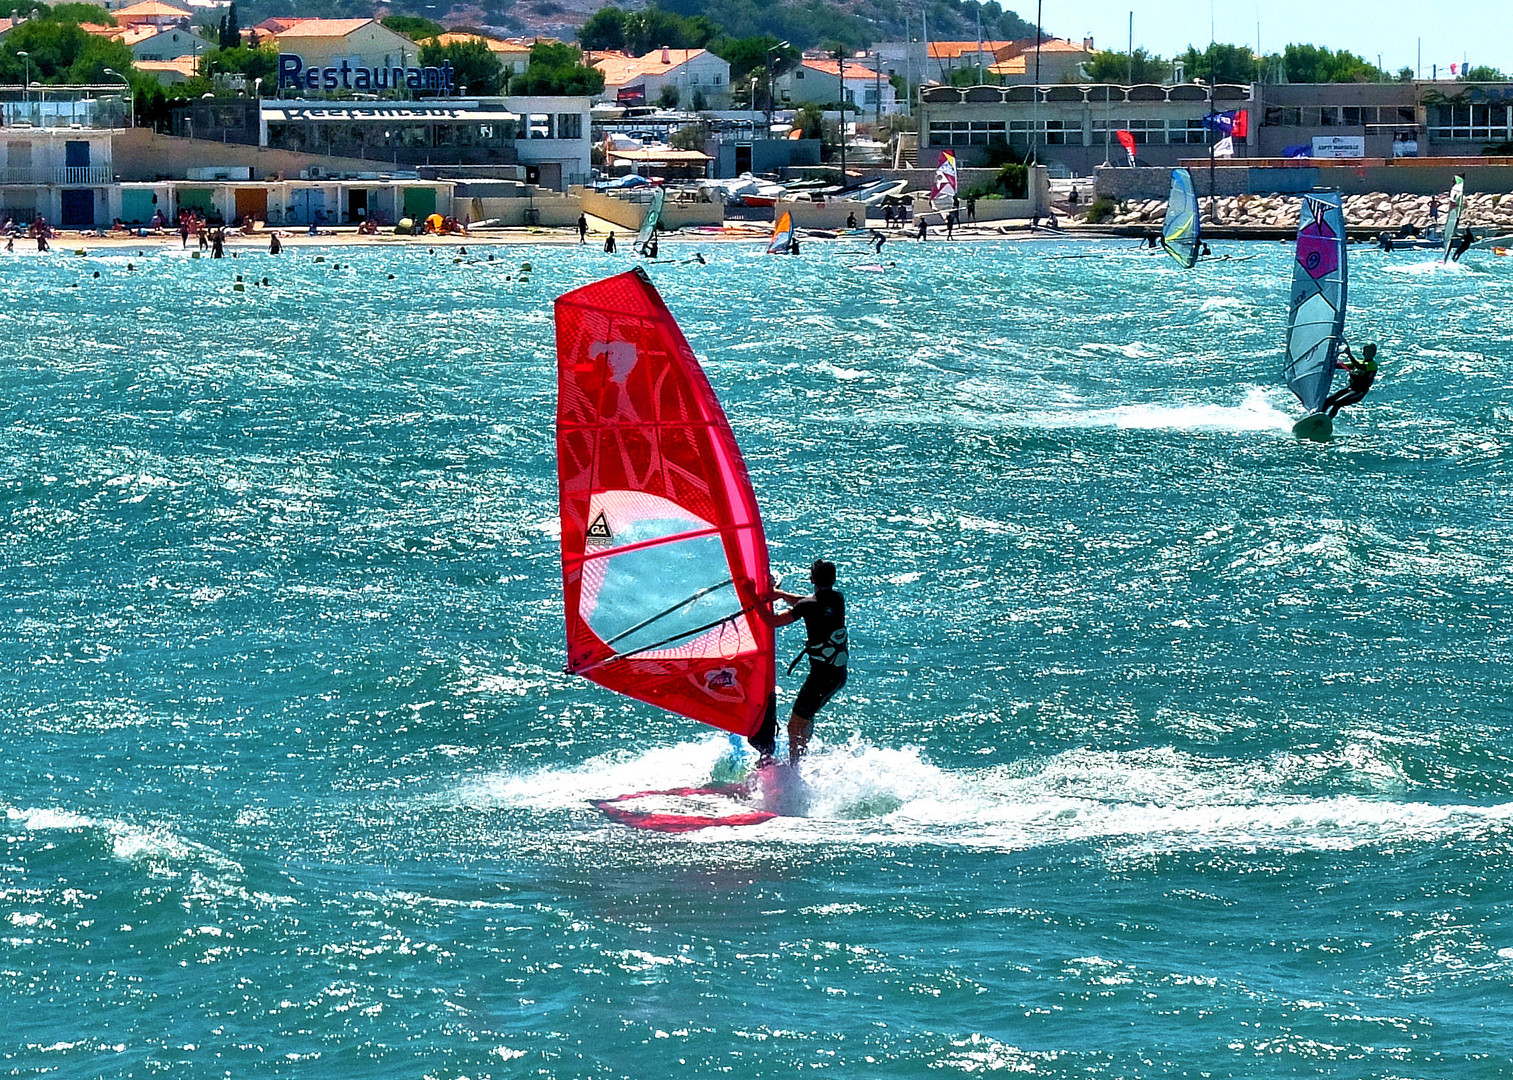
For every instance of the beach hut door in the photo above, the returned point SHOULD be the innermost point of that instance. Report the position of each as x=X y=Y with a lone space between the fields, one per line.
x=78 y=208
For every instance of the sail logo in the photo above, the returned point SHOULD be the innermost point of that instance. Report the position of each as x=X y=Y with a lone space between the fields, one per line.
x=723 y=684
x=620 y=356
x=598 y=529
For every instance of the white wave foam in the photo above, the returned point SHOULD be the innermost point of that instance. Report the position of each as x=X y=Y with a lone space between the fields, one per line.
x=1145 y=801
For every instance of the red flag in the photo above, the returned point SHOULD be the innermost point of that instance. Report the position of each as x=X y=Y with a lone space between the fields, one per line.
x=1126 y=140
x=1242 y=124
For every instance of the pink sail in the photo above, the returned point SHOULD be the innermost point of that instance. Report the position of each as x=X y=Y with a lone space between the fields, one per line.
x=663 y=553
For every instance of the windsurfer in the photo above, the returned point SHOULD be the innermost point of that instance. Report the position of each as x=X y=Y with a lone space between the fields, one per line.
x=824 y=615
x=1362 y=373
x=1462 y=245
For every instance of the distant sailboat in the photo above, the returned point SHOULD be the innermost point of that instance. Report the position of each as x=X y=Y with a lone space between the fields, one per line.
x=1182 y=229
x=943 y=190
x=1453 y=214
x=1316 y=312
x=782 y=235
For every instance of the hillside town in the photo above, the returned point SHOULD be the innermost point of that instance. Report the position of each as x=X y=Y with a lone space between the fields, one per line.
x=151 y=110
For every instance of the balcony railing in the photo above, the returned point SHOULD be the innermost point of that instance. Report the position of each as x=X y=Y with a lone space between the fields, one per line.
x=69 y=175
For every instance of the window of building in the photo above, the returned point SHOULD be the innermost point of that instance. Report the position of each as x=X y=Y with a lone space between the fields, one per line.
x=569 y=125
x=1483 y=123
x=1189 y=132
x=1147 y=132
x=539 y=126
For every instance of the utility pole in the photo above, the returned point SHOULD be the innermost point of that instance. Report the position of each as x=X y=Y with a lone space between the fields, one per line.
x=1035 y=101
x=840 y=68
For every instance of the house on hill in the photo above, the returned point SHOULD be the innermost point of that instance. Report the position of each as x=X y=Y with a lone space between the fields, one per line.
x=823 y=82
x=697 y=75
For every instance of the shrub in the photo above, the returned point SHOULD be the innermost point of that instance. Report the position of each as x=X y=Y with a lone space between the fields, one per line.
x=1101 y=210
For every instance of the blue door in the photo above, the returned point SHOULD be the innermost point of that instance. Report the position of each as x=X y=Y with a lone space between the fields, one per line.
x=76 y=155
x=78 y=208
x=307 y=207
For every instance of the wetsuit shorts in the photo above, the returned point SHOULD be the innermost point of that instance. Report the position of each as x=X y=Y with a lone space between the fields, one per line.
x=823 y=681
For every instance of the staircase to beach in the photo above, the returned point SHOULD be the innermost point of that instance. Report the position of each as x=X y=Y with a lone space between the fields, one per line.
x=906 y=150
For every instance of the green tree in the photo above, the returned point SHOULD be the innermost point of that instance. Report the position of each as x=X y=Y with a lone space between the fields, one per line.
x=92 y=14
x=1220 y=64
x=412 y=26
x=60 y=52
x=689 y=137
x=1405 y=74
x=231 y=28
x=1132 y=68
x=748 y=56
x=970 y=75
x=604 y=30
x=255 y=63
x=668 y=98
x=1481 y=73
x=1312 y=64
x=474 y=65
x=558 y=68
x=810 y=121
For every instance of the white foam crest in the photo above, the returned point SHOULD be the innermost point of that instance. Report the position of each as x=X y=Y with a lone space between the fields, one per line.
x=158 y=848
x=1254 y=413
x=1145 y=801
x=684 y=764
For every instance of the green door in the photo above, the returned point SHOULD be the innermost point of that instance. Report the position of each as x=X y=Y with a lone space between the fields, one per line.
x=138 y=206
x=200 y=200
x=420 y=203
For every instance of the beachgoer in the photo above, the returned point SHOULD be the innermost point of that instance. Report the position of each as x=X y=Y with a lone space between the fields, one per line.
x=582 y=228
x=10 y=243
x=922 y=230
x=824 y=615
x=1461 y=246
x=878 y=240
x=609 y=243
x=1205 y=250
x=793 y=244
x=1073 y=198
x=1050 y=220
x=1433 y=210
x=851 y=220
x=204 y=236
x=1362 y=373
x=1384 y=240
x=42 y=241
x=218 y=244
x=887 y=215
x=275 y=245
x=951 y=223
x=972 y=208
x=698 y=257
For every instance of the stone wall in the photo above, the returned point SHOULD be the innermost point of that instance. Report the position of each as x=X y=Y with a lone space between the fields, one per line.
x=1373 y=210
x=1419 y=176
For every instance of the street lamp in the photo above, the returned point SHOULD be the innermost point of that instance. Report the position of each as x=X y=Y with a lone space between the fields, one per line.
x=770 y=92
x=131 y=101
x=25 y=93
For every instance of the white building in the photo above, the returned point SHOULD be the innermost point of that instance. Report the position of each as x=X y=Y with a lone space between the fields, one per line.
x=61 y=174
x=148 y=42
x=699 y=77
x=829 y=82
x=342 y=47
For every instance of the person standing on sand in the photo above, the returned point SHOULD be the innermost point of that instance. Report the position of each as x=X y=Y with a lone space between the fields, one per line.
x=922 y=230
x=609 y=243
x=582 y=228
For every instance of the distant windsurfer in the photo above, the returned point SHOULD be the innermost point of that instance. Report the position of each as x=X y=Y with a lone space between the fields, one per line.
x=878 y=240
x=1362 y=374
x=1461 y=246
x=824 y=615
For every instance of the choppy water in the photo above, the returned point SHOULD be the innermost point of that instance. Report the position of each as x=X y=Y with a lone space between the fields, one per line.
x=1173 y=746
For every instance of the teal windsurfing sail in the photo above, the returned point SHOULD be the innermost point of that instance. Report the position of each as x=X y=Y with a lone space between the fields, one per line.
x=1181 y=231
x=649 y=223
x=1453 y=215
x=1316 y=313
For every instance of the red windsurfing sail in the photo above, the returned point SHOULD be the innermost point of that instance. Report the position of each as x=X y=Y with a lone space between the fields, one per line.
x=663 y=554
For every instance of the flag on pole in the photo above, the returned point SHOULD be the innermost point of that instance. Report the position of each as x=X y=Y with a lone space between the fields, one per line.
x=1127 y=141
x=1225 y=147
x=1236 y=123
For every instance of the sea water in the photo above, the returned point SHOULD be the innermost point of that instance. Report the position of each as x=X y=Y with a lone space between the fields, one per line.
x=1173 y=746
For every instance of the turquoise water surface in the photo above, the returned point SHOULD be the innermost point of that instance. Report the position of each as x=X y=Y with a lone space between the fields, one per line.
x=1172 y=747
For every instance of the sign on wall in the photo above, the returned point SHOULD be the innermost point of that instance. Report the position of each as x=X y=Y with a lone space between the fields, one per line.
x=292 y=73
x=1339 y=146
